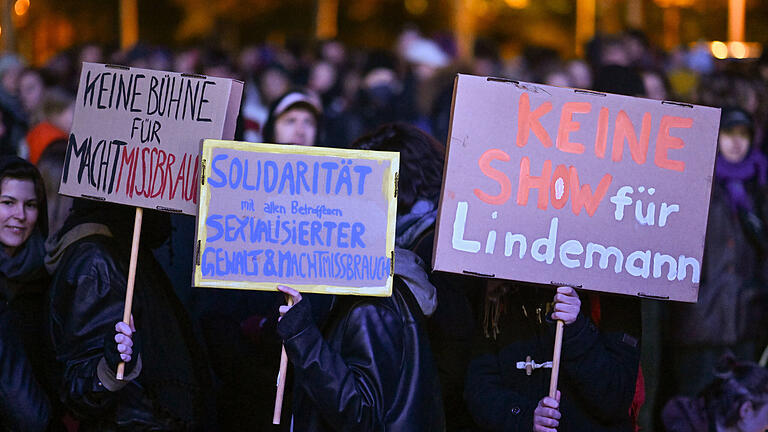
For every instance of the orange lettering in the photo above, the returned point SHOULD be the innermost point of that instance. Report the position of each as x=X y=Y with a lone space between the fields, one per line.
x=485 y=166
x=601 y=139
x=581 y=196
x=527 y=121
x=561 y=173
x=665 y=141
x=567 y=125
x=528 y=182
x=625 y=130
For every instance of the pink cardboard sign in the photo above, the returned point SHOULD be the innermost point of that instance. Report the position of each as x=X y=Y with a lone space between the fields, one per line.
x=571 y=187
x=317 y=219
x=137 y=133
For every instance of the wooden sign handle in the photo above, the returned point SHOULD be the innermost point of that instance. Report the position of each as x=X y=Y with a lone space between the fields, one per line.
x=281 y=380
x=131 y=279
x=556 y=359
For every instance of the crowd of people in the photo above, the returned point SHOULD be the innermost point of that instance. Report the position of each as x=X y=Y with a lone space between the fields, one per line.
x=444 y=352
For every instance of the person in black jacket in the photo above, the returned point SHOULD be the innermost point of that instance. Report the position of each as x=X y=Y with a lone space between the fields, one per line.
x=508 y=379
x=166 y=377
x=26 y=391
x=451 y=327
x=23 y=404
x=364 y=364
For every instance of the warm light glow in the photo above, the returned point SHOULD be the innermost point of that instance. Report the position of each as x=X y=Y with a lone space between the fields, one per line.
x=737 y=49
x=719 y=50
x=675 y=3
x=479 y=7
x=517 y=4
x=416 y=7
x=21 y=7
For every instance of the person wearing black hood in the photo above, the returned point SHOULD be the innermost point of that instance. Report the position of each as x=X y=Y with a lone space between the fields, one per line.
x=27 y=374
x=364 y=363
x=451 y=327
x=732 y=292
x=166 y=377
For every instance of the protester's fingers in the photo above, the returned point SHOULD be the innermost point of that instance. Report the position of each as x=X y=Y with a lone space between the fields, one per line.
x=549 y=413
x=123 y=328
x=546 y=421
x=124 y=349
x=549 y=402
x=132 y=325
x=123 y=339
x=558 y=397
x=566 y=290
x=567 y=307
x=537 y=427
x=291 y=292
x=284 y=309
x=126 y=358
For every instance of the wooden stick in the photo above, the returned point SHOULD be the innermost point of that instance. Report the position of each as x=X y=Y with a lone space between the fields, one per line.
x=131 y=279
x=556 y=359
x=281 y=380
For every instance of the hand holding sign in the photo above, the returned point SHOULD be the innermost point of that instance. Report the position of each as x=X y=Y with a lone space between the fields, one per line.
x=546 y=416
x=135 y=140
x=293 y=294
x=567 y=305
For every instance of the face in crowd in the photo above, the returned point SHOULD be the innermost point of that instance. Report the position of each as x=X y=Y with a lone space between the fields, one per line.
x=296 y=126
x=733 y=143
x=18 y=212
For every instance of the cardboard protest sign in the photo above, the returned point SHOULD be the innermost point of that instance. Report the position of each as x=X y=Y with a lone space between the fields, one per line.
x=572 y=187
x=136 y=135
x=317 y=219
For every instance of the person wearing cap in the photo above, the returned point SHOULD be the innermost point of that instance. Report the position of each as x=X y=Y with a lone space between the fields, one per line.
x=731 y=303
x=294 y=118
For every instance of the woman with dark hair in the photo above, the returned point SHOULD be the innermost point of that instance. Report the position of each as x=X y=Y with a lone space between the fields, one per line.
x=450 y=328
x=737 y=400
x=166 y=381
x=27 y=369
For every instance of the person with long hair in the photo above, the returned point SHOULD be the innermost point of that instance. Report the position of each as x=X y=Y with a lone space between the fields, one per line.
x=27 y=371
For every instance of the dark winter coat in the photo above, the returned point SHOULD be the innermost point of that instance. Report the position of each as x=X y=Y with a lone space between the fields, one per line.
x=683 y=414
x=88 y=294
x=369 y=366
x=24 y=299
x=731 y=295
x=451 y=329
x=598 y=369
x=24 y=406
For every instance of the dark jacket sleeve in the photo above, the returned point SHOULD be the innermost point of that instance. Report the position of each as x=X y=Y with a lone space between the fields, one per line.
x=23 y=404
x=87 y=302
x=603 y=363
x=493 y=405
x=353 y=388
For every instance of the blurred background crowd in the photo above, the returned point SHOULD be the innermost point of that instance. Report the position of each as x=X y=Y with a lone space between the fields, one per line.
x=403 y=70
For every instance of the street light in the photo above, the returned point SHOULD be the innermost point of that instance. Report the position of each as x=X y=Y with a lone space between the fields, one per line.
x=21 y=7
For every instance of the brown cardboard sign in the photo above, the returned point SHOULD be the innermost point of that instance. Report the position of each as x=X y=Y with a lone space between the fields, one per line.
x=137 y=133
x=563 y=186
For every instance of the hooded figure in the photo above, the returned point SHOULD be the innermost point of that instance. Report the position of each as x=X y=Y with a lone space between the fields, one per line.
x=364 y=363
x=732 y=292
x=166 y=380
x=27 y=367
